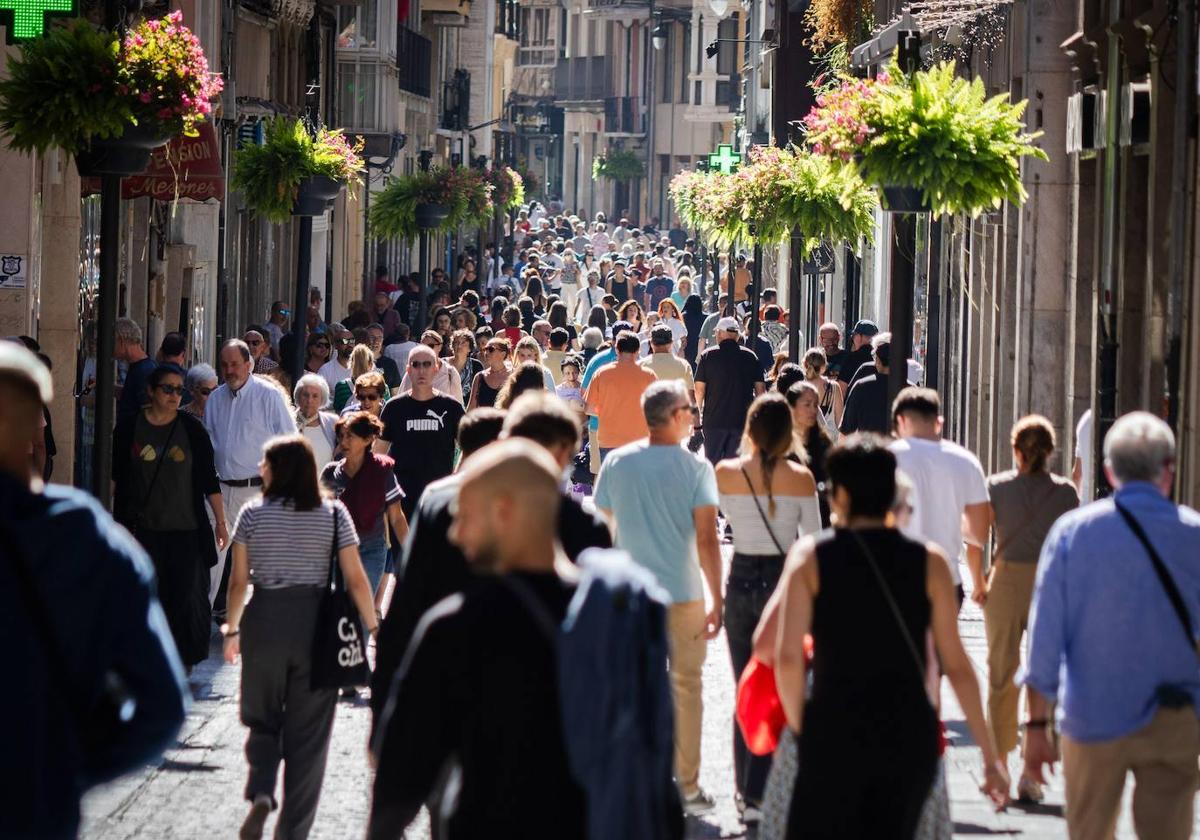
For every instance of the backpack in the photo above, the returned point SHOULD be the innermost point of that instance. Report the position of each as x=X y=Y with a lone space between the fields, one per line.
x=618 y=717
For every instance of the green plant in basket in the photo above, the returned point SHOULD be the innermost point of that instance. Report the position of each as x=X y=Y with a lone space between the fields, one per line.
x=269 y=175
x=465 y=193
x=618 y=165
x=508 y=188
x=932 y=131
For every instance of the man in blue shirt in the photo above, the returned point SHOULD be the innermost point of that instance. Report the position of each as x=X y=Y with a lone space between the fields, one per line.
x=95 y=686
x=1109 y=645
x=662 y=501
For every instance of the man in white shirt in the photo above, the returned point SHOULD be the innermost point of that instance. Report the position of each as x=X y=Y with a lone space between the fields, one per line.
x=949 y=488
x=337 y=368
x=399 y=351
x=241 y=416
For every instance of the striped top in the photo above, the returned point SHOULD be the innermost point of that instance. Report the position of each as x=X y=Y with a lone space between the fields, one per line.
x=287 y=547
x=794 y=516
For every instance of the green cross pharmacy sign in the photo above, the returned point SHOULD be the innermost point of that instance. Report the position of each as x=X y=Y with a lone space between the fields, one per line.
x=723 y=160
x=26 y=19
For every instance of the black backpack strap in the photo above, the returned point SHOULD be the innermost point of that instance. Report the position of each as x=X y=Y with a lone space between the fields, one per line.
x=1164 y=576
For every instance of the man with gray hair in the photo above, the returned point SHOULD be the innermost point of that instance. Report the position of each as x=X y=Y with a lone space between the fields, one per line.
x=661 y=501
x=1113 y=640
x=128 y=348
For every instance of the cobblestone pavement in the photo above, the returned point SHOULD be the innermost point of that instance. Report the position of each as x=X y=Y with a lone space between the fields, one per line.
x=196 y=792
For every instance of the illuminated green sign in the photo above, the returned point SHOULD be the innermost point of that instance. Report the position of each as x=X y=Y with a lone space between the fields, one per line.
x=25 y=19
x=723 y=160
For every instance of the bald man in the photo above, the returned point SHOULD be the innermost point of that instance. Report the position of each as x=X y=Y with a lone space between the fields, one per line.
x=479 y=684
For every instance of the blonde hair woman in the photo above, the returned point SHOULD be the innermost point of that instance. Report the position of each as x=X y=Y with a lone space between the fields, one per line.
x=362 y=360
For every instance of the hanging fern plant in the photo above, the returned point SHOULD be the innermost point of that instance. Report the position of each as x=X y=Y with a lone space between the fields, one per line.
x=618 y=165
x=465 y=193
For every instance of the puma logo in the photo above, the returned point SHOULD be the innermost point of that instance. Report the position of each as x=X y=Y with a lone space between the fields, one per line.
x=420 y=424
x=441 y=418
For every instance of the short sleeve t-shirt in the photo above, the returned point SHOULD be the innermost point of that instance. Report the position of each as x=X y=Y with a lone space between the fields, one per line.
x=659 y=288
x=669 y=366
x=289 y=547
x=946 y=478
x=615 y=396
x=367 y=494
x=1026 y=506
x=729 y=372
x=422 y=434
x=133 y=393
x=657 y=528
x=162 y=476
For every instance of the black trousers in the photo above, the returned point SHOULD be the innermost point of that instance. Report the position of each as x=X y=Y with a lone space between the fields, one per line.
x=182 y=578
x=751 y=581
x=288 y=721
x=720 y=444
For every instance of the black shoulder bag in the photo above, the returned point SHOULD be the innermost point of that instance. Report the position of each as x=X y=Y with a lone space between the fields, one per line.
x=339 y=656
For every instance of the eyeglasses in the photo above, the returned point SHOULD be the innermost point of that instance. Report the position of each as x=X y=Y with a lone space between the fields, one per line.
x=369 y=397
x=419 y=365
x=204 y=392
x=176 y=390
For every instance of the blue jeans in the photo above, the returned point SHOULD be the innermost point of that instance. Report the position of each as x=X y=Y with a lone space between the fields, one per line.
x=373 y=551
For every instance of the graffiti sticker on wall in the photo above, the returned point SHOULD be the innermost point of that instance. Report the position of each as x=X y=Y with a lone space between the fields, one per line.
x=12 y=271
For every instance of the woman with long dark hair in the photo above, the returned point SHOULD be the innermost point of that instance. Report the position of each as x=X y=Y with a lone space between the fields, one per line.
x=557 y=316
x=283 y=543
x=769 y=500
x=811 y=434
x=316 y=352
x=693 y=320
x=163 y=472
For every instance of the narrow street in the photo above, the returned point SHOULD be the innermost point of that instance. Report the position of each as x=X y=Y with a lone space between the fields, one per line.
x=196 y=792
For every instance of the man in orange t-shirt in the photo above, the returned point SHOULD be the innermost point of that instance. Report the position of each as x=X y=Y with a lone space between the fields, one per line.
x=615 y=396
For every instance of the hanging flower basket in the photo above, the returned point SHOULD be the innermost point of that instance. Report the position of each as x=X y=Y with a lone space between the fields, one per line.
x=618 y=165
x=450 y=196
x=508 y=188
x=296 y=171
x=931 y=131
x=86 y=91
x=429 y=216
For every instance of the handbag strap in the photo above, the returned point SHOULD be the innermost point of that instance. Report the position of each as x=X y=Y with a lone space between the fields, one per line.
x=1164 y=576
x=891 y=601
x=162 y=455
x=766 y=522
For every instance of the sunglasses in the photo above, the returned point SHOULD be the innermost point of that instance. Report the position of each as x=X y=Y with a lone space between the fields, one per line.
x=419 y=365
x=204 y=392
x=369 y=397
x=175 y=390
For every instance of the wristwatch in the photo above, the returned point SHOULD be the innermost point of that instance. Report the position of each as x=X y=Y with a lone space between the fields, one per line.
x=1039 y=723
x=229 y=632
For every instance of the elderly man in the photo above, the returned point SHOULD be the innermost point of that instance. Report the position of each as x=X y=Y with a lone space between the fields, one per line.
x=674 y=536
x=1113 y=640
x=385 y=315
x=387 y=365
x=728 y=378
x=129 y=349
x=260 y=351
x=241 y=416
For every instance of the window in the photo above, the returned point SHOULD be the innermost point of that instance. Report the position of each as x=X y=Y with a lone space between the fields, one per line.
x=358 y=26
x=357 y=104
x=539 y=37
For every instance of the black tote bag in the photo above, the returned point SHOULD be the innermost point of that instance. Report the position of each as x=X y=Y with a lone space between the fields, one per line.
x=339 y=655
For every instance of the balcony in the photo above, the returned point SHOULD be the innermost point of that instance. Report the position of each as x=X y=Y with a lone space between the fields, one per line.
x=414 y=62
x=624 y=115
x=508 y=17
x=583 y=79
x=456 y=102
x=452 y=13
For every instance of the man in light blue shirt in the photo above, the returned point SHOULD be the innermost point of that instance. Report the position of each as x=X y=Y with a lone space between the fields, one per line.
x=1109 y=645
x=662 y=502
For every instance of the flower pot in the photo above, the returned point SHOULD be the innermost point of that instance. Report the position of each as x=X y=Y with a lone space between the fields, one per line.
x=315 y=194
x=128 y=154
x=430 y=215
x=904 y=200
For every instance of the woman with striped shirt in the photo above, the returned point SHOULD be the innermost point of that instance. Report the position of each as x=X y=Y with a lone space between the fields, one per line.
x=283 y=544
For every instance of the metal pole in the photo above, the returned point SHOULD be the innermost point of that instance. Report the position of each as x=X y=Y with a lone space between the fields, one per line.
x=715 y=292
x=299 y=316
x=651 y=68
x=794 y=271
x=110 y=250
x=366 y=233
x=904 y=237
x=933 y=331
x=755 y=295
x=424 y=267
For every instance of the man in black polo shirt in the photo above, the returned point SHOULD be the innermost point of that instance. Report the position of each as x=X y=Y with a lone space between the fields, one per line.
x=859 y=353
x=728 y=378
x=868 y=408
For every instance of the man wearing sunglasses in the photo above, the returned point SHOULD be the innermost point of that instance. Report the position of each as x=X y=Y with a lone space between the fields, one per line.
x=337 y=368
x=277 y=325
x=260 y=350
x=421 y=427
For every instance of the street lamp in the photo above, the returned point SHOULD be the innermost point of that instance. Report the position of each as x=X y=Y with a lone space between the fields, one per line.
x=719 y=7
x=659 y=36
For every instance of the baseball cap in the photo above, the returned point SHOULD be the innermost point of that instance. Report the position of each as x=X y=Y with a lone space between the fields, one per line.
x=20 y=363
x=865 y=327
x=728 y=324
x=661 y=335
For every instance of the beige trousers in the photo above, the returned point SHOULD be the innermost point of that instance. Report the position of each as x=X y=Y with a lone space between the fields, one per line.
x=1163 y=758
x=1005 y=617
x=685 y=636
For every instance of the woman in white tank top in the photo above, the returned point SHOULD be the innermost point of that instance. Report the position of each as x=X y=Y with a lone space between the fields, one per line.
x=769 y=499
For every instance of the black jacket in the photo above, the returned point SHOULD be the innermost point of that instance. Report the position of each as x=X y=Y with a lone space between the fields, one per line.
x=204 y=479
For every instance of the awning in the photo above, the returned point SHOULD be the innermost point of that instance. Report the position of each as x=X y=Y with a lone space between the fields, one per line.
x=187 y=167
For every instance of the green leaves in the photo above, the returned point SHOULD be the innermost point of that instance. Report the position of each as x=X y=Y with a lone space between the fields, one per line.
x=466 y=193
x=618 y=165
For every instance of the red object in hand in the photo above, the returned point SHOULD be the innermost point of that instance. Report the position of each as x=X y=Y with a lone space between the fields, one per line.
x=759 y=710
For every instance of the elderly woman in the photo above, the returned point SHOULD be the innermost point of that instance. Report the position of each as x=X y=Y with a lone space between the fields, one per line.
x=200 y=382
x=311 y=395
x=593 y=337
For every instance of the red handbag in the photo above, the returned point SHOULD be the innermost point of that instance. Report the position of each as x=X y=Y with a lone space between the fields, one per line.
x=759 y=710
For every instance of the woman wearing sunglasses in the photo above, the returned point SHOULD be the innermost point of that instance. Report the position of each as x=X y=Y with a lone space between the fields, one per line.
x=316 y=352
x=162 y=473
x=200 y=382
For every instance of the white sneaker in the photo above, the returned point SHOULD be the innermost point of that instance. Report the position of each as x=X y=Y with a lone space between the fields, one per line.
x=751 y=815
x=698 y=803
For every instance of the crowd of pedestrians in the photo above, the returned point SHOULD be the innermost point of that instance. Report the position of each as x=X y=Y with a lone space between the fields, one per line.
x=520 y=496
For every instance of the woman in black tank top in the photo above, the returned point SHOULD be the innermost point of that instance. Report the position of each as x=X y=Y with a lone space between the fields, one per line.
x=619 y=287
x=867 y=732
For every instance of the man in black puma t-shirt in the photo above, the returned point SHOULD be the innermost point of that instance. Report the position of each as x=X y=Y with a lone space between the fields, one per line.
x=421 y=427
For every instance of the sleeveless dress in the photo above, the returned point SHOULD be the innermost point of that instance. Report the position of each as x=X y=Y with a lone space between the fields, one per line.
x=869 y=743
x=486 y=396
x=621 y=290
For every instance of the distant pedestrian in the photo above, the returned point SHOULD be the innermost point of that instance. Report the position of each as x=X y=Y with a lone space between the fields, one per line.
x=241 y=416
x=397 y=351
x=392 y=372
x=163 y=474
x=316 y=353
x=200 y=382
x=362 y=360
x=728 y=378
x=769 y=500
x=867 y=408
x=78 y=606
x=663 y=361
x=693 y=320
x=421 y=427
x=338 y=366
x=860 y=352
x=867 y=731
x=813 y=437
x=949 y=489
x=282 y=544
x=370 y=394
x=614 y=396
x=1025 y=503
x=317 y=425
x=128 y=348
x=525 y=377
x=277 y=324
x=462 y=360
x=260 y=349
x=662 y=503
x=1113 y=638
x=491 y=378
x=528 y=350
x=832 y=407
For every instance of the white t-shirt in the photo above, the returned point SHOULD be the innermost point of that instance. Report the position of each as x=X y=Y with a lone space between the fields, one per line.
x=398 y=353
x=1083 y=451
x=334 y=373
x=946 y=478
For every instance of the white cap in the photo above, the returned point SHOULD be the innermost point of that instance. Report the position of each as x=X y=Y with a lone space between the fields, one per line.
x=728 y=324
x=16 y=361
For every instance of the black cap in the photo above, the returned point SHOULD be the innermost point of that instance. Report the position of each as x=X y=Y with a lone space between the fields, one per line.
x=865 y=327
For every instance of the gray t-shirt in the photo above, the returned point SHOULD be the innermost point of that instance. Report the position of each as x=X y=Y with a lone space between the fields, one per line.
x=162 y=476
x=1026 y=506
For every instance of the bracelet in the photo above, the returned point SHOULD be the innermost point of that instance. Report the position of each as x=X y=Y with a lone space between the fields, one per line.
x=1040 y=723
